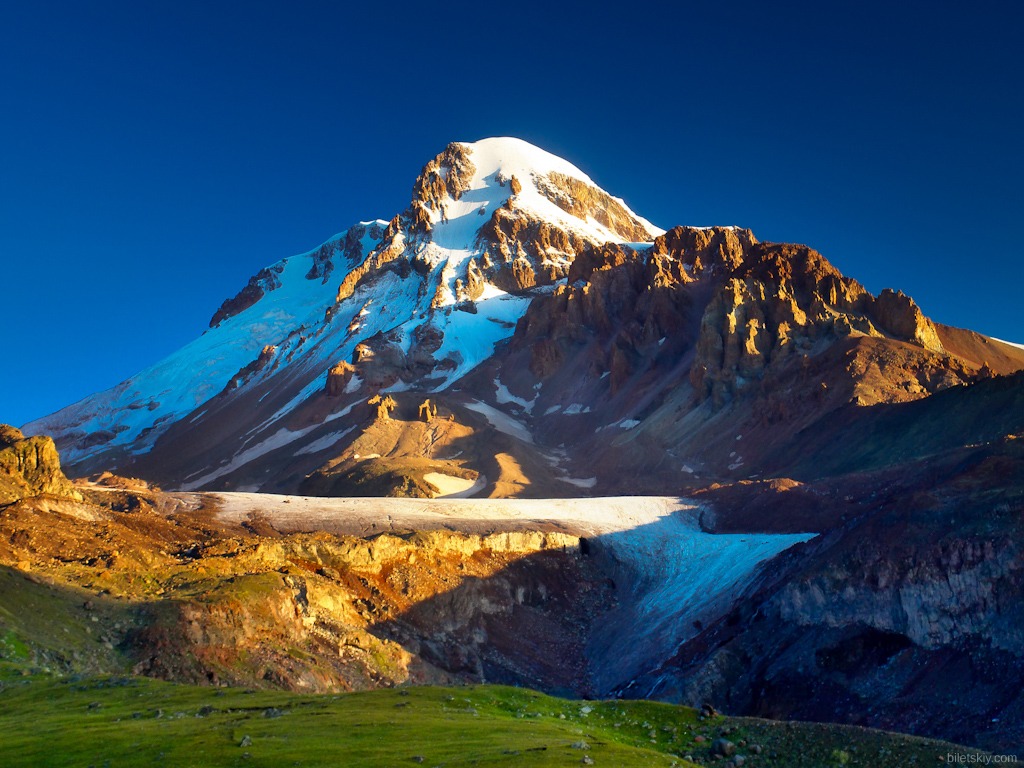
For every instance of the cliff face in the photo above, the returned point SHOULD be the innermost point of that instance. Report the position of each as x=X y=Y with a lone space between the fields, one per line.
x=30 y=467
x=375 y=613
x=760 y=305
x=941 y=595
x=906 y=615
x=317 y=612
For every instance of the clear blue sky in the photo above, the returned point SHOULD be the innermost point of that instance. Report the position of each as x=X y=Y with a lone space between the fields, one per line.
x=156 y=154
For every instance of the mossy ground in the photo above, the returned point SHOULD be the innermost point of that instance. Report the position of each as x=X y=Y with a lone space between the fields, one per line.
x=130 y=721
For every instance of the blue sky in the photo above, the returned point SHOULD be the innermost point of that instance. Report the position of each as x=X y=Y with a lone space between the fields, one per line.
x=157 y=154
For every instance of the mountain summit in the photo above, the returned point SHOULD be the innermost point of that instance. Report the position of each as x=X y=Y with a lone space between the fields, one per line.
x=518 y=329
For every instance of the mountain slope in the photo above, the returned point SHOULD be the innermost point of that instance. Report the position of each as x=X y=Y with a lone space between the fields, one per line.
x=525 y=331
x=381 y=294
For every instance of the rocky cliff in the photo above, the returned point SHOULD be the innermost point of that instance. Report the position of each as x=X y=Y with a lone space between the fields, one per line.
x=30 y=467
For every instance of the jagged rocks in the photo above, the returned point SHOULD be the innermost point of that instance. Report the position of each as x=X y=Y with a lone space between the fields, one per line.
x=896 y=313
x=446 y=176
x=384 y=404
x=472 y=287
x=585 y=201
x=350 y=246
x=379 y=361
x=527 y=251
x=30 y=467
x=427 y=412
x=701 y=249
x=247 y=372
x=259 y=285
x=390 y=253
x=338 y=378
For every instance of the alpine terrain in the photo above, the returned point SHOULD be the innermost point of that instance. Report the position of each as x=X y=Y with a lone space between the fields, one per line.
x=518 y=434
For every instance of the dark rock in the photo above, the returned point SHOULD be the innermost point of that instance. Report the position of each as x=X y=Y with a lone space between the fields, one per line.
x=723 y=747
x=259 y=285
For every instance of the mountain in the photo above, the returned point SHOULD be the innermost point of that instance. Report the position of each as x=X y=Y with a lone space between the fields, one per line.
x=530 y=336
x=835 y=481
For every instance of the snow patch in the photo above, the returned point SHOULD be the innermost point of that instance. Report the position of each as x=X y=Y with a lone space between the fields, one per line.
x=503 y=396
x=279 y=439
x=452 y=487
x=502 y=421
x=1008 y=343
x=576 y=408
x=323 y=443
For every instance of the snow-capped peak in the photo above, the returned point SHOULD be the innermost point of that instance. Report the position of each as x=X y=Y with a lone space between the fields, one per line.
x=514 y=157
x=461 y=190
x=491 y=224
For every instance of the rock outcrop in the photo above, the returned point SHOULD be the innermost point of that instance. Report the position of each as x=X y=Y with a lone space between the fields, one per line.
x=898 y=315
x=338 y=378
x=585 y=201
x=259 y=285
x=30 y=467
x=447 y=176
x=761 y=306
x=247 y=372
x=349 y=246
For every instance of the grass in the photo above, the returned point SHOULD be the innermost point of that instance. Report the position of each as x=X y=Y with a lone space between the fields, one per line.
x=127 y=721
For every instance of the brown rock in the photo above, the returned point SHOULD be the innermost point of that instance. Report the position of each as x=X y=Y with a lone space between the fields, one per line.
x=384 y=404
x=10 y=435
x=897 y=314
x=30 y=467
x=380 y=362
x=427 y=412
x=248 y=371
x=446 y=176
x=338 y=378
x=585 y=201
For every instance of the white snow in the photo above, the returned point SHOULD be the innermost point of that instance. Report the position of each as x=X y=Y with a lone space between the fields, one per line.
x=470 y=338
x=515 y=157
x=279 y=439
x=576 y=408
x=503 y=396
x=502 y=421
x=323 y=443
x=1010 y=343
x=453 y=487
x=680 y=575
x=588 y=482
